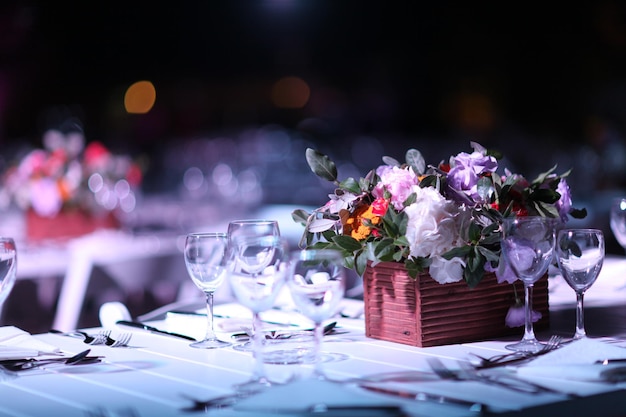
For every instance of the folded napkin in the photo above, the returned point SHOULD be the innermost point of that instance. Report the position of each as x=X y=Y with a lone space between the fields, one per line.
x=577 y=360
x=16 y=343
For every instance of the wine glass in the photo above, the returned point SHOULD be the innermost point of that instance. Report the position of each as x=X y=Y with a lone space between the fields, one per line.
x=528 y=247
x=205 y=259
x=317 y=285
x=241 y=230
x=257 y=269
x=580 y=254
x=8 y=267
x=618 y=220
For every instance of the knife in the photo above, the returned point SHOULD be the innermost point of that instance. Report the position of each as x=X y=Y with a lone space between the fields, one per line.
x=473 y=406
x=153 y=329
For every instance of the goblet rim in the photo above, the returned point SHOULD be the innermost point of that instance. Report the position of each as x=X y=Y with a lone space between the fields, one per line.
x=253 y=221
x=207 y=234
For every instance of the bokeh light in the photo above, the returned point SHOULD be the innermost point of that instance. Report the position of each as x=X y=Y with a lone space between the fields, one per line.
x=140 y=97
x=290 y=93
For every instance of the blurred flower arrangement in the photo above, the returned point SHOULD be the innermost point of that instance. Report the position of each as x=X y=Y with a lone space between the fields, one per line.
x=443 y=217
x=66 y=174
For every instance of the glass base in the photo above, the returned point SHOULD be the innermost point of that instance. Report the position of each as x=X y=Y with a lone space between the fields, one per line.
x=209 y=344
x=531 y=346
x=253 y=386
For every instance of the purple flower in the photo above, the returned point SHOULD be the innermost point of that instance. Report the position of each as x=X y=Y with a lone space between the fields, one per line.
x=516 y=317
x=467 y=169
x=564 y=205
x=504 y=273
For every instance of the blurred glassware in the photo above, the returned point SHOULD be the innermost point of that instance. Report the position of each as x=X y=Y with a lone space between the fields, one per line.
x=8 y=267
x=528 y=247
x=618 y=220
x=205 y=258
x=317 y=282
x=580 y=254
x=257 y=268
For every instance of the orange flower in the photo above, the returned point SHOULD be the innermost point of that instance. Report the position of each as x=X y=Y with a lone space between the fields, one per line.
x=354 y=224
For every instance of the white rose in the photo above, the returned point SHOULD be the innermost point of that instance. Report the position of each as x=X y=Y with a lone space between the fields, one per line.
x=444 y=271
x=432 y=228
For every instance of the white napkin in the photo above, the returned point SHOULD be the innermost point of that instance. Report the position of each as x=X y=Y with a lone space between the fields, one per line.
x=16 y=343
x=577 y=361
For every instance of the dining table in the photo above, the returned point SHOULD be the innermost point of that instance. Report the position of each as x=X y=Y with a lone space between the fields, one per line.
x=159 y=374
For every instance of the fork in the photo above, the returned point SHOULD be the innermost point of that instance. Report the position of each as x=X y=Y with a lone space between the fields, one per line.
x=121 y=341
x=507 y=358
x=504 y=381
x=97 y=339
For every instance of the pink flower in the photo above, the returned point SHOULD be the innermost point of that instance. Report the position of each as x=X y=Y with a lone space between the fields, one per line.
x=380 y=206
x=396 y=184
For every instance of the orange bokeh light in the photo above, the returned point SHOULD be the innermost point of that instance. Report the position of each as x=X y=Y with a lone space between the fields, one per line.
x=140 y=97
x=290 y=93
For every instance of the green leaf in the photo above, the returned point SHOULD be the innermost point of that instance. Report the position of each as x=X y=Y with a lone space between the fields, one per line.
x=578 y=213
x=351 y=185
x=347 y=243
x=416 y=161
x=360 y=262
x=474 y=232
x=321 y=225
x=384 y=250
x=300 y=216
x=388 y=160
x=460 y=252
x=416 y=265
x=321 y=165
x=545 y=195
x=489 y=255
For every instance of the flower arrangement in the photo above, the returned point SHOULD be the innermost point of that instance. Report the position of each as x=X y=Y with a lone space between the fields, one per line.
x=443 y=217
x=67 y=174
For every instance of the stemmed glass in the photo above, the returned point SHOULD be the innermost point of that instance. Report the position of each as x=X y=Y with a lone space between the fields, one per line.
x=528 y=247
x=618 y=220
x=205 y=259
x=242 y=230
x=317 y=285
x=257 y=268
x=580 y=254
x=8 y=267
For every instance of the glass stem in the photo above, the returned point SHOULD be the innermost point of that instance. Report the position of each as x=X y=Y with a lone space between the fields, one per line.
x=210 y=333
x=580 y=320
x=318 y=371
x=257 y=347
x=529 y=333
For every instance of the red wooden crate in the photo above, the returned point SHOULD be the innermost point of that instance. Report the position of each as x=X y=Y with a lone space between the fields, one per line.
x=421 y=312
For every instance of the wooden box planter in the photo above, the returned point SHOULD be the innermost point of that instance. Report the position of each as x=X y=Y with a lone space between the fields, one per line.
x=421 y=312
x=66 y=224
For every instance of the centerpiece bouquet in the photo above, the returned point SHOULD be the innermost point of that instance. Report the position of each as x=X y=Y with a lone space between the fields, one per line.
x=69 y=188
x=445 y=218
x=67 y=174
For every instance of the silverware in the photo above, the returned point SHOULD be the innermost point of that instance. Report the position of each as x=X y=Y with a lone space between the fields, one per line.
x=121 y=340
x=503 y=380
x=516 y=357
x=97 y=339
x=15 y=365
x=279 y=334
x=474 y=406
x=152 y=329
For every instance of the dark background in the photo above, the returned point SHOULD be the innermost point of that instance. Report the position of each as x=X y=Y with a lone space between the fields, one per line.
x=547 y=71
